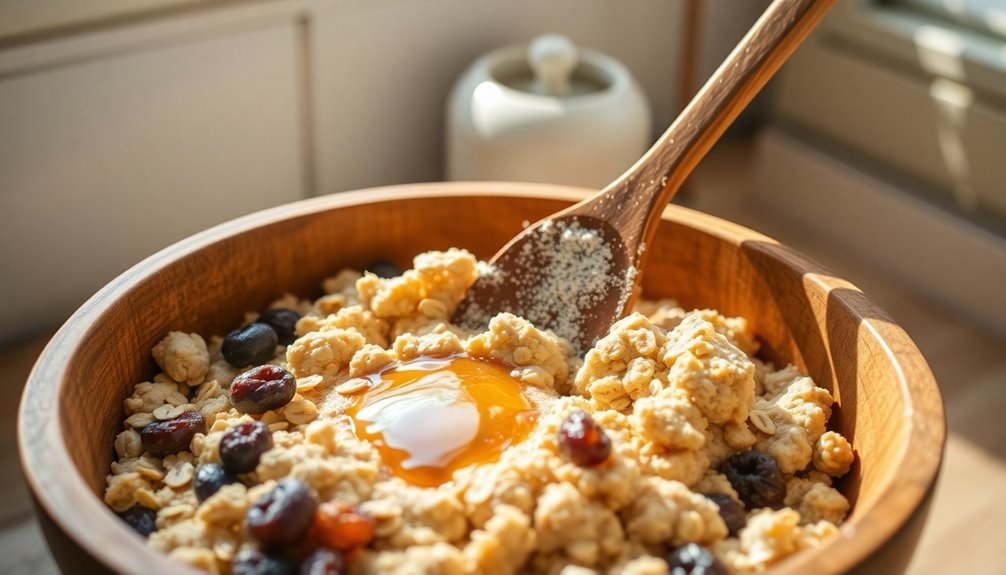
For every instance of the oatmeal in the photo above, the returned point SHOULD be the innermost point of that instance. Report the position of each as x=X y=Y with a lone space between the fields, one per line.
x=363 y=433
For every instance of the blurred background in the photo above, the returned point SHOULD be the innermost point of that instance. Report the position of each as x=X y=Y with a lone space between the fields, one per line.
x=880 y=149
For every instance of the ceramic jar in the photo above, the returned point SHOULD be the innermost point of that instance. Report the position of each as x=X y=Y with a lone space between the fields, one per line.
x=545 y=112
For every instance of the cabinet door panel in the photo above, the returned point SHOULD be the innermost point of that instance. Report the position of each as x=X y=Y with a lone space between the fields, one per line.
x=105 y=161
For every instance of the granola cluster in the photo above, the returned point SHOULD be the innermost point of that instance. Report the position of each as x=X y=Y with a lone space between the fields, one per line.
x=676 y=392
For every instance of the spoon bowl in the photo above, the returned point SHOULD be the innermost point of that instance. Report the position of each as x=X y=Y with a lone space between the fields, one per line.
x=564 y=272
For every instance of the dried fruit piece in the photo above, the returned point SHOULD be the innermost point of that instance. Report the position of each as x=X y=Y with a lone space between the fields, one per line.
x=694 y=559
x=283 y=321
x=582 y=440
x=262 y=388
x=282 y=517
x=252 y=344
x=323 y=562
x=243 y=444
x=384 y=269
x=342 y=526
x=163 y=438
x=140 y=518
x=757 y=479
x=731 y=511
x=255 y=562
x=210 y=477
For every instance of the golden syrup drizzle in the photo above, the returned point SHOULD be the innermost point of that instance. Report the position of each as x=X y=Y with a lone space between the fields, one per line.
x=432 y=416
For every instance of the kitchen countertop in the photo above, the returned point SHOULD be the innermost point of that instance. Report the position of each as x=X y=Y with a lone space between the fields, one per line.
x=965 y=529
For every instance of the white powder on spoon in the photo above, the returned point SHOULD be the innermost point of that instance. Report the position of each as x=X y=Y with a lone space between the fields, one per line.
x=566 y=273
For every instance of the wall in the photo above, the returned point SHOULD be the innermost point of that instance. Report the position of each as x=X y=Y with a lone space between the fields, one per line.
x=386 y=80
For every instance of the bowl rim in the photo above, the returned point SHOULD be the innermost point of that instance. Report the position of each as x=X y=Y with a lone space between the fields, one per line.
x=60 y=491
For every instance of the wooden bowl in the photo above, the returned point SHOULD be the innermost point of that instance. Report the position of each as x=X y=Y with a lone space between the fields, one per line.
x=887 y=401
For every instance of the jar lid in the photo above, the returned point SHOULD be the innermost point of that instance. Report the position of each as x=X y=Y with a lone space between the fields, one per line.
x=552 y=66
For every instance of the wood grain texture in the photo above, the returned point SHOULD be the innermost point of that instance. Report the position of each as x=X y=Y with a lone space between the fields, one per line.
x=888 y=402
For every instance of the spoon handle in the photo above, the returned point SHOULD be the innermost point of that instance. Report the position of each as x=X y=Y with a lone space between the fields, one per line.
x=633 y=203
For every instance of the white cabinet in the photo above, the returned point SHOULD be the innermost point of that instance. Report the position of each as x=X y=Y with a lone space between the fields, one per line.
x=106 y=159
x=21 y=17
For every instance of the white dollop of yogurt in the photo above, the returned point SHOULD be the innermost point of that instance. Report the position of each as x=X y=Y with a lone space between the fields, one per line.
x=431 y=419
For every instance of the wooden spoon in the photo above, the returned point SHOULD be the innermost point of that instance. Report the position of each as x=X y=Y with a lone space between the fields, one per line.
x=576 y=271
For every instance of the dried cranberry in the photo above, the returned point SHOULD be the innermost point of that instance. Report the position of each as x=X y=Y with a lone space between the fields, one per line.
x=262 y=388
x=283 y=321
x=142 y=519
x=255 y=562
x=282 y=517
x=162 y=438
x=582 y=441
x=342 y=526
x=731 y=511
x=210 y=477
x=384 y=269
x=757 y=479
x=694 y=559
x=252 y=344
x=243 y=444
x=323 y=562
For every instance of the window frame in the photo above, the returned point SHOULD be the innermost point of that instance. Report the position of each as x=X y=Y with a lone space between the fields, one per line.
x=924 y=42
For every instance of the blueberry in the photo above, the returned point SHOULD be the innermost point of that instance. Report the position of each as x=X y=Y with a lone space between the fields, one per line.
x=283 y=321
x=731 y=511
x=162 y=438
x=142 y=519
x=255 y=562
x=210 y=477
x=757 y=479
x=252 y=344
x=281 y=518
x=694 y=559
x=243 y=444
x=582 y=441
x=262 y=388
x=384 y=269
x=323 y=562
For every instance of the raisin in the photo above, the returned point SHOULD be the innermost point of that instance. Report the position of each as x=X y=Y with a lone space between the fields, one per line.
x=210 y=477
x=384 y=269
x=252 y=344
x=243 y=444
x=283 y=321
x=582 y=441
x=142 y=519
x=757 y=479
x=282 y=517
x=255 y=562
x=342 y=526
x=694 y=559
x=323 y=562
x=162 y=438
x=731 y=511
x=262 y=388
